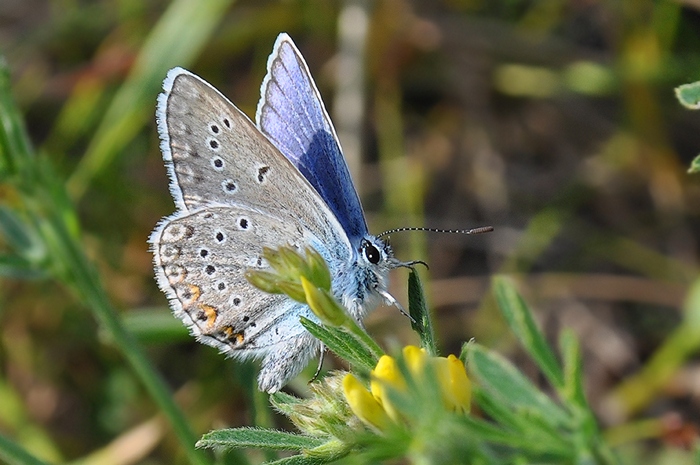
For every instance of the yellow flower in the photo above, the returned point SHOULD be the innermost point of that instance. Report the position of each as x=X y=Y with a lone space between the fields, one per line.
x=415 y=358
x=386 y=375
x=363 y=405
x=374 y=407
x=456 y=387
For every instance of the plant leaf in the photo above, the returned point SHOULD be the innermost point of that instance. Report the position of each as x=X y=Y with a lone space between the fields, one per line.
x=527 y=426
x=422 y=323
x=519 y=318
x=694 y=165
x=258 y=438
x=12 y=266
x=689 y=95
x=300 y=460
x=16 y=233
x=345 y=345
x=510 y=387
x=573 y=370
x=485 y=431
x=14 y=454
x=154 y=325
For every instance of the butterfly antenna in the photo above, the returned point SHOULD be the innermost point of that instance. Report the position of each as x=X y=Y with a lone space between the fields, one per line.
x=388 y=298
x=483 y=229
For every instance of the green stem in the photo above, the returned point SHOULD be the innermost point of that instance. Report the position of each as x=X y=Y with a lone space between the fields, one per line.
x=352 y=326
x=638 y=390
x=605 y=455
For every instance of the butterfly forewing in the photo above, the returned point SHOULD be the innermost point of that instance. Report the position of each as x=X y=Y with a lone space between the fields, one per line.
x=217 y=156
x=292 y=115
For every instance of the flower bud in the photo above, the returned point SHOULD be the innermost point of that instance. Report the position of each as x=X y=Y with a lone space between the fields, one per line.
x=323 y=304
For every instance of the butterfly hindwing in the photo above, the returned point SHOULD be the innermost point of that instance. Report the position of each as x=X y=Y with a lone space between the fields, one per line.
x=205 y=281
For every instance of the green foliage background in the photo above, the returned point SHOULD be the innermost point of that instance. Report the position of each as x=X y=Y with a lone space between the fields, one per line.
x=553 y=121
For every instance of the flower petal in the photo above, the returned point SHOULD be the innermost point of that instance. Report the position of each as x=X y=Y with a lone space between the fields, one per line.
x=386 y=375
x=454 y=383
x=364 y=405
x=415 y=359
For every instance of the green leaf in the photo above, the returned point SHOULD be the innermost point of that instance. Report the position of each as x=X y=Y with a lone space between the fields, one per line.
x=293 y=290
x=511 y=388
x=464 y=351
x=15 y=148
x=526 y=425
x=320 y=275
x=422 y=323
x=519 y=318
x=280 y=398
x=345 y=345
x=274 y=259
x=484 y=431
x=689 y=95
x=329 y=451
x=258 y=438
x=284 y=403
x=573 y=370
x=12 y=266
x=694 y=165
x=300 y=460
x=500 y=412
x=13 y=454
x=15 y=233
x=324 y=305
x=264 y=280
x=293 y=262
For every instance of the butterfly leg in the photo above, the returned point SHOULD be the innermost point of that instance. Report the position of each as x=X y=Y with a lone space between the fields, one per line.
x=320 y=363
x=390 y=300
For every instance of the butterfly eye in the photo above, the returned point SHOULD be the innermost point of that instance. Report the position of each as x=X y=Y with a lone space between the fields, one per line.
x=372 y=254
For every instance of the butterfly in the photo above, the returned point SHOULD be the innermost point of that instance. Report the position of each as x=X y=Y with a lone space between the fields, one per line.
x=239 y=187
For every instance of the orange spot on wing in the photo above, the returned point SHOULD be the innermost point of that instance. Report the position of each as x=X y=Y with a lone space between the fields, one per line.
x=232 y=336
x=196 y=292
x=211 y=313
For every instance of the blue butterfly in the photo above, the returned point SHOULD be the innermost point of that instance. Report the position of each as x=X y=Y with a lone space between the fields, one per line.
x=239 y=187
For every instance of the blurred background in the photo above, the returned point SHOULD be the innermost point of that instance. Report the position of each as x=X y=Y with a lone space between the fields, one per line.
x=553 y=121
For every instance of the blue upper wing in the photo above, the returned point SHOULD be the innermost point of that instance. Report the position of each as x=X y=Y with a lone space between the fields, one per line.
x=292 y=115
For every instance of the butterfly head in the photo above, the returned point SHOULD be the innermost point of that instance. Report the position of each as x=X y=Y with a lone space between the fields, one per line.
x=369 y=285
x=374 y=251
x=377 y=258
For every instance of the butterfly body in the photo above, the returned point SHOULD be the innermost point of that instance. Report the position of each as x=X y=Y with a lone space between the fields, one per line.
x=239 y=188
